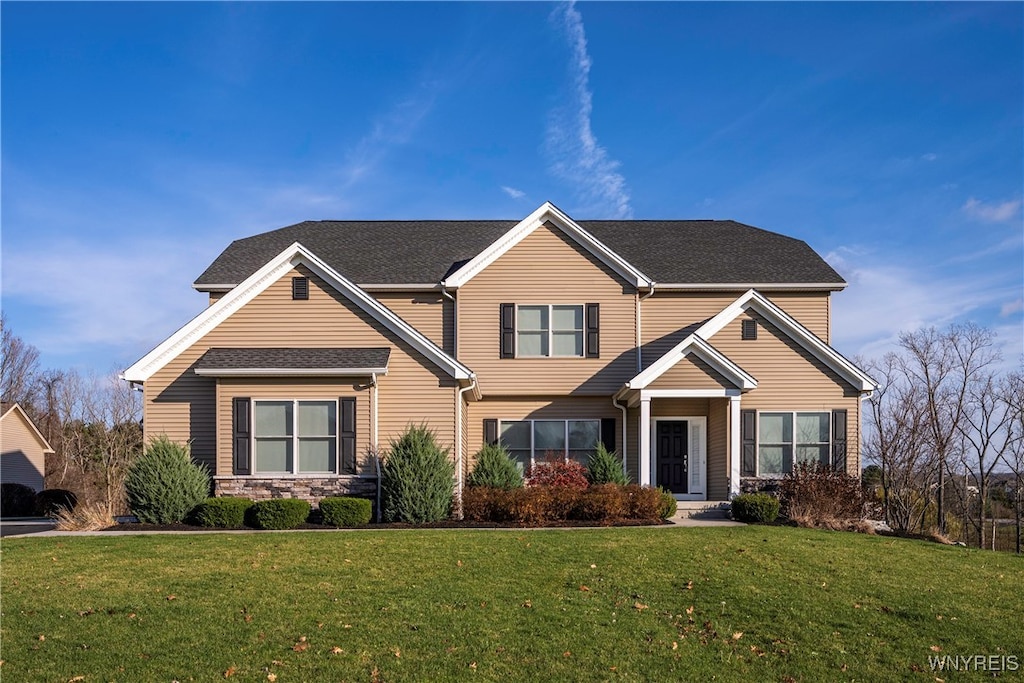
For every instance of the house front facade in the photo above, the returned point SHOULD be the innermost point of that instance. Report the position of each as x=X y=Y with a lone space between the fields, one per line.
x=697 y=350
x=23 y=449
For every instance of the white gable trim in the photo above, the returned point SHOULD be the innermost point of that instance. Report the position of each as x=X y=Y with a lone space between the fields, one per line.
x=256 y=283
x=545 y=213
x=701 y=349
x=795 y=331
x=17 y=409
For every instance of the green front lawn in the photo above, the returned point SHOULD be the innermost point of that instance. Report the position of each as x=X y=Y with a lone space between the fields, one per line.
x=748 y=603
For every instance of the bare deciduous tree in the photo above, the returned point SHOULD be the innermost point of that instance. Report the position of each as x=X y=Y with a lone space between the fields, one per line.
x=1013 y=457
x=19 y=369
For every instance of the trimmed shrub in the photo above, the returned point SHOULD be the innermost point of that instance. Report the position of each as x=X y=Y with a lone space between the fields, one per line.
x=605 y=467
x=495 y=468
x=277 y=513
x=223 y=513
x=487 y=504
x=556 y=472
x=602 y=503
x=346 y=511
x=164 y=484
x=645 y=502
x=818 y=495
x=668 y=505
x=755 y=508
x=17 y=500
x=417 y=478
x=50 y=501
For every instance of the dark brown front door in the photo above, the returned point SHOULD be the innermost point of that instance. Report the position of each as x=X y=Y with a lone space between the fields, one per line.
x=672 y=455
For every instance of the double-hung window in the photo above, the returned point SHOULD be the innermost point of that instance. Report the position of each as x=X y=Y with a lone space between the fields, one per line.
x=785 y=439
x=531 y=441
x=549 y=330
x=295 y=437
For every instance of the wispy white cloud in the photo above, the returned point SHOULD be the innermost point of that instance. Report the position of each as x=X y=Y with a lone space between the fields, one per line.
x=930 y=156
x=572 y=147
x=1011 y=307
x=513 y=192
x=992 y=212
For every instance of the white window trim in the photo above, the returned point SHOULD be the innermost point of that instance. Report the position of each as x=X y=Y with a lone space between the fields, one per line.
x=794 y=443
x=567 y=420
x=582 y=331
x=295 y=439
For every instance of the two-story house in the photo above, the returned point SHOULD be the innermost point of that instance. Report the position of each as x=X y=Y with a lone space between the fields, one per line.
x=698 y=350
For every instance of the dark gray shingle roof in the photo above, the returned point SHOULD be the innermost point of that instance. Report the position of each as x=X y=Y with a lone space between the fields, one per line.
x=293 y=359
x=418 y=252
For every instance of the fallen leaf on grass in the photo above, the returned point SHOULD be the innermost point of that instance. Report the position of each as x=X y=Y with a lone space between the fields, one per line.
x=230 y=672
x=472 y=665
x=675 y=645
x=42 y=637
x=271 y=677
x=935 y=648
x=689 y=585
x=459 y=563
x=567 y=654
x=398 y=652
x=639 y=606
x=76 y=679
x=584 y=588
x=172 y=597
x=336 y=650
x=301 y=646
x=689 y=610
x=528 y=603
x=737 y=635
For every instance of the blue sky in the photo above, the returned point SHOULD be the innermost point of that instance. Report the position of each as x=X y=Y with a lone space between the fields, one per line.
x=138 y=140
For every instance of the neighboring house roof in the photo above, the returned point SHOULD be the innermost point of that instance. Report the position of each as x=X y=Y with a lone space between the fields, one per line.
x=669 y=252
x=222 y=362
x=275 y=268
x=15 y=409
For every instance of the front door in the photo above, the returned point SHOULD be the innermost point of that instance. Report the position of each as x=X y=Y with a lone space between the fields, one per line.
x=673 y=455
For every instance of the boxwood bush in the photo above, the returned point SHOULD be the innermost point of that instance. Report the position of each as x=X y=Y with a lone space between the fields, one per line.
x=164 y=484
x=346 y=511
x=223 y=513
x=668 y=506
x=278 y=513
x=755 y=508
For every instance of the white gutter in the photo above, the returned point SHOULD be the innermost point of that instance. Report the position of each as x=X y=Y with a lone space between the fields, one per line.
x=289 y=372
x=639 y=335
x=625 y=421
x=458 y=439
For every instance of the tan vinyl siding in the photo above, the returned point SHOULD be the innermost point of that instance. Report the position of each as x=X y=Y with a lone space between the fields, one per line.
x=182 y=405
x=259 y=388
x=429 y=312
x=679 y=407
x=539 y=408
x=24 y=459
x=692 y=373
x=718 y=462
x=666 y=316
x=216 y=296
x=789 y=378
x=547 y=268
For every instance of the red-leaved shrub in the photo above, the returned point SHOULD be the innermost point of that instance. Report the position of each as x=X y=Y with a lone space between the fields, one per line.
x=602 y=503
x=556 y=472
x=541 y=505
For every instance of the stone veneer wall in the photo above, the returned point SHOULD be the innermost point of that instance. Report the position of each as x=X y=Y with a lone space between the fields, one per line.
x=308 y=488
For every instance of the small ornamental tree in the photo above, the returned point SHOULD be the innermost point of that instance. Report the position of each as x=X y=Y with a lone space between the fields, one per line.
x=164 y=484
x=605 y=467
x=417 y=478
x=495 y=468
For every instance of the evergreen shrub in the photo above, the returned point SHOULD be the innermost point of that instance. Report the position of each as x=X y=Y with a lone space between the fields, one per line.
x=417 y=478
x=277 y=513
x=495 y=468
x=755 y=508
x=605 y=467
x=223 y=513
x=163 y=485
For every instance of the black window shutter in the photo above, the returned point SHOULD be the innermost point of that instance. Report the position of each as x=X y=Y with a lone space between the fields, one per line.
x=241 y=457
x=593 y=330
x=839 y=439
x=300 y=288
x=508 y=330
x=490 y=432
x=347 y=434
x=748 y=436
x=608 y=433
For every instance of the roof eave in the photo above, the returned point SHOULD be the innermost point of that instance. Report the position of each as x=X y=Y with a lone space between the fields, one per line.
x=290 y=372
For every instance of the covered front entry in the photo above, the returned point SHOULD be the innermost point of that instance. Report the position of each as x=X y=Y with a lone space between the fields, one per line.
x=679 y=456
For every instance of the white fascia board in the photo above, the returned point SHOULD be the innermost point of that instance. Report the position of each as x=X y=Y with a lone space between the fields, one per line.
x=290 y=372
x=255 y=284
x=399 y=287
x=213 y=288
x=544 y=213
x=703 y=350
x=796 y=286
x=797 y=332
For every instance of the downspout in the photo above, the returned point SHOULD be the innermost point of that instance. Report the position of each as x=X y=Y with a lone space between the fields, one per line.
x=624 y=422
x=458 y=437
x=639 y=336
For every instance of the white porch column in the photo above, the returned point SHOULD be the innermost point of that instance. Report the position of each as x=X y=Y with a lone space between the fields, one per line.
x=735 y=446
x=644 y=438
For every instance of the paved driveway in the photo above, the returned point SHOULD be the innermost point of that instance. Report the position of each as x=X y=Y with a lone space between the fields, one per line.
x=24 y=526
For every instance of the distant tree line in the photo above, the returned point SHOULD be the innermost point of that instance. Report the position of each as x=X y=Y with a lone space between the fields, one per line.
x=943 y=424
x=92 y=422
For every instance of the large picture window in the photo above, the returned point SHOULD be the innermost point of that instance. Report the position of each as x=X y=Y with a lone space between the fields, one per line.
x=295 y=437
x=549 y=330
x=530 y=441
x=788 y=438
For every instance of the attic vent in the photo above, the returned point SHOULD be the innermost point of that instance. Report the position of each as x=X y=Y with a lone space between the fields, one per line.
x=749 y=329
x=300 y=288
